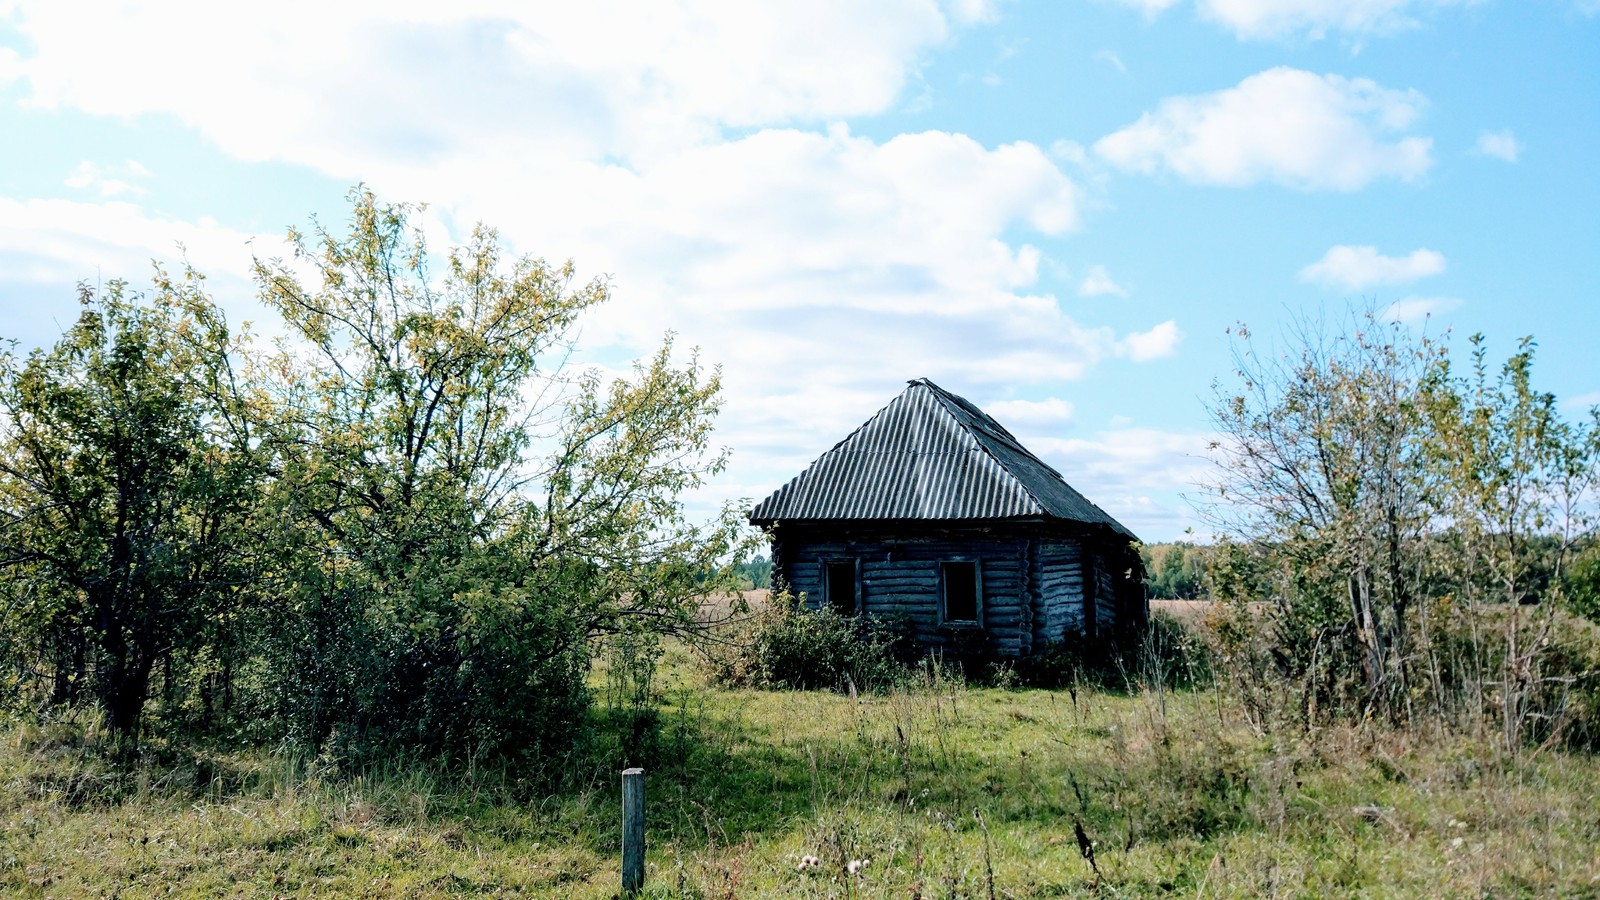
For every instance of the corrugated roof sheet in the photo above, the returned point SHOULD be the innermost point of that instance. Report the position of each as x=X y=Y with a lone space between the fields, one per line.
x=930 y=454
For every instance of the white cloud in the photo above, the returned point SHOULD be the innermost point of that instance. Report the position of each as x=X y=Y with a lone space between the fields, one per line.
x=1018 y=414
x=1499 y=144
x=47 y=246
x=108 y=181
x=329 y=84
x=1583 y=401
x=1150 y=8
x=1157 y=343
x=1297 y=128
x=1135 y=474
x=1417 y=310
x=1112 y=58
x=820 y=270
x=69 y=241
x=1098 y=283
x=974 y=12
x=1276 y=19
x=1352 y=268
x=1256 y=19
x=1068 y=152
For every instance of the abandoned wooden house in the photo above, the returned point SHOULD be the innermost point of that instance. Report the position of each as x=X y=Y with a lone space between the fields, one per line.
x=931 y=513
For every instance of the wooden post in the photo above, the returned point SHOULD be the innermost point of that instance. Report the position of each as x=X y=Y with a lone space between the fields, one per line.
x=632 y=830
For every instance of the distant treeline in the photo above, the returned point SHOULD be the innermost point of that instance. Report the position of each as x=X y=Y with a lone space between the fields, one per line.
x=755 y=573
x=1179 y=571
x=1175 y=571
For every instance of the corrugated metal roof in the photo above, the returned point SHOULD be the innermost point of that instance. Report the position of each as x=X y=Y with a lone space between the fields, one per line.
x=930 y=454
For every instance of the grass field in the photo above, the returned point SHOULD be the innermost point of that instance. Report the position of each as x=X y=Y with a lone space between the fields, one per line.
x=943 y=789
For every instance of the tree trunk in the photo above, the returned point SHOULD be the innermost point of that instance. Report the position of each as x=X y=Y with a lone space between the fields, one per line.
x=125 y=698
x=124 y=679
x=1367 y=631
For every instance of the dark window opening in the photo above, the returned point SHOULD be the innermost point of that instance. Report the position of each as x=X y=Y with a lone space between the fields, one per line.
x=961 y=592
x=841 y=587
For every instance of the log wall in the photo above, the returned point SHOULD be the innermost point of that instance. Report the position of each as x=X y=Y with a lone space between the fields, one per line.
x=1060 y=590
x=1033 y=582
x=900 y=580
x=1105 y=596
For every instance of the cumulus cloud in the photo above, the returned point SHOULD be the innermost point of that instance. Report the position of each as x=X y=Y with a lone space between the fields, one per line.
x=1499 y=144
x=1098 y=283
x=1277 y=19
x=108 y=181
x=1031 y=414
x=68 y=241
x=1150 y=8
x=1417 y=310
x=1256 y=19
x=1157 y=343
x=1296 y=128
x=1357 y=268
x=608 y=77
x=1135 y=474
x=47 y=246
x=820 y=270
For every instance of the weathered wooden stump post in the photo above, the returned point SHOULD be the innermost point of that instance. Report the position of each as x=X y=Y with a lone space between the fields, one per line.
x=632 y=830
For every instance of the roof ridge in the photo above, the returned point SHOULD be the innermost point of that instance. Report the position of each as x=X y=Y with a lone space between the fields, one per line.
x=940 y=394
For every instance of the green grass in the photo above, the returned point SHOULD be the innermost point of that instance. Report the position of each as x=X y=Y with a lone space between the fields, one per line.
x=947 y=790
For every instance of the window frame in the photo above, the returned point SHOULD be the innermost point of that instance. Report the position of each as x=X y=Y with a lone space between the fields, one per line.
x=977 y=593
x=858 y=602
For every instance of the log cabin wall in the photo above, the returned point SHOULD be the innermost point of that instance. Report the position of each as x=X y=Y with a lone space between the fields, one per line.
x=1105 y=596
x=1031 y=583
x=1060 y=589
x=900 y=580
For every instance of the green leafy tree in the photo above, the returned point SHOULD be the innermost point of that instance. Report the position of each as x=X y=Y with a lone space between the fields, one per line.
x=1410 y=527
x=1324 y=471
x=1583 y=583
x=464 y=517
x=1518 y=488
x=126 y=474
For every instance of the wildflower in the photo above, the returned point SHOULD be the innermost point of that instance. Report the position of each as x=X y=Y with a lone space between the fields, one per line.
x=808 y=862
x=857 y=865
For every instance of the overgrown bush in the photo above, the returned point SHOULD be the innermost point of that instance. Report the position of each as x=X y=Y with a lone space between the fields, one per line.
x=788 y=645
x=1562 y=699
x=1288 y=674
x=1166 y=653
x=1583 y=583
x=1400 y=532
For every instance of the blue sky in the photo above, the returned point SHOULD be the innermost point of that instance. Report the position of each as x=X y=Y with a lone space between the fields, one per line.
x=1053 y=208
